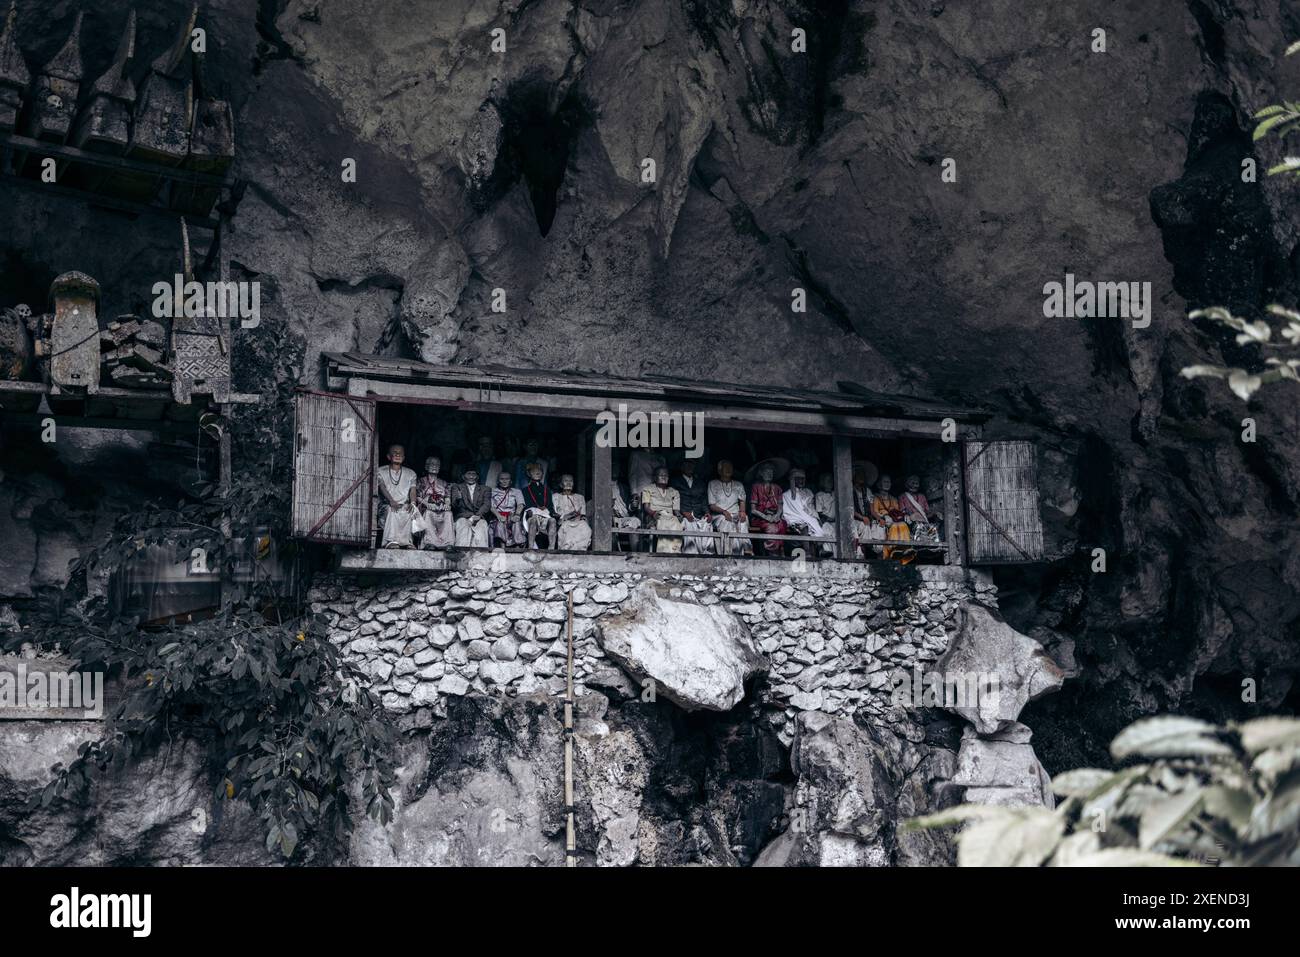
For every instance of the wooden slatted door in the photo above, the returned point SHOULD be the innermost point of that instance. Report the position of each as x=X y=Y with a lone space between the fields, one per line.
x=1002 y=521
x=333 y=468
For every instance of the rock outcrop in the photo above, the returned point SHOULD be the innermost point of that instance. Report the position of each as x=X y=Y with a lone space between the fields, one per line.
x=698 y=656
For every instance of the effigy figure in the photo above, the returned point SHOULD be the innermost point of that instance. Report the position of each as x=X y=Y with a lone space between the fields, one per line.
x=574 y=534
x=433 y=498
x=507 y=512
x=642 y=466
x=487 y=464
x=918 y=514
x=865 y=527
x=765 y=512
x=532 y=453
x=799 y=509
x=889 y=515
x=727 y=506
x=471 y=509
x=663 y=510
x=538 y=517
x=824 y=500
x=397 y=492
x=694 y=497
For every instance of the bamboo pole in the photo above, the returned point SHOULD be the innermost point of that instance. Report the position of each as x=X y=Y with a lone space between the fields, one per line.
x=570 y=839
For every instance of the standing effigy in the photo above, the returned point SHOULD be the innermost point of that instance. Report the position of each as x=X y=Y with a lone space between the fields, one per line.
x=74 y=333
x=917 y=512
x=14 y=75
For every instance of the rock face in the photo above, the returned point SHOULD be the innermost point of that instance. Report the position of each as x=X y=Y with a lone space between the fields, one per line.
x=699 y=657
x=774 y=171
x=157 y=810
x=985 y=645
x=1002 y=769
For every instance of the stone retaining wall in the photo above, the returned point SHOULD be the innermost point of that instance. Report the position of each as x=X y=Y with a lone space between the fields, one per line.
x=833 y=640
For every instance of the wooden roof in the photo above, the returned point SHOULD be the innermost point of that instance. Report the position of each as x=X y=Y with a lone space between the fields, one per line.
x=850 y=398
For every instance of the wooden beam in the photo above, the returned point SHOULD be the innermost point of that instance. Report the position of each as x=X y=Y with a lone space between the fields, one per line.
x=842 y=463
x=602 y=496
x=473 y=399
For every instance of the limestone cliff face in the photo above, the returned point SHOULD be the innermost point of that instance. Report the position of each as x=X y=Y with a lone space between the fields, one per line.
x=522 y=170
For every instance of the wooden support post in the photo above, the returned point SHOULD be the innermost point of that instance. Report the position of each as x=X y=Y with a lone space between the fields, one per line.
x=842 y=455
x=570 y=833
x=602 y=496
x=954 y=504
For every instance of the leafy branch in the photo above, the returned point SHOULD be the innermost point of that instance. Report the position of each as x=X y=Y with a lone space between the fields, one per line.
x=1197 y=793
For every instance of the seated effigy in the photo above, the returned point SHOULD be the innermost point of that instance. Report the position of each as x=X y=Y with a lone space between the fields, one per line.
x=765 y=511
x=799 y=509
x=471 y=509
x=888 y=514
x=507 y=512
x=433 y=499
x=539 y=521
x=574 y=534
x=824 y=502
x=693 y=495
x=622 y=515
x=727 y=506
x=918 y=514
x=397 y=493
x=662 y=506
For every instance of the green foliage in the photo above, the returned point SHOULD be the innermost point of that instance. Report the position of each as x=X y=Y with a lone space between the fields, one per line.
x=1197 y=792
x=1242 y=382
x=287 y=722
x=1280 y=120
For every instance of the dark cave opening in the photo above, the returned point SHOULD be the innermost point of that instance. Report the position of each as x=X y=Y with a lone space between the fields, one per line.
x=537 y=138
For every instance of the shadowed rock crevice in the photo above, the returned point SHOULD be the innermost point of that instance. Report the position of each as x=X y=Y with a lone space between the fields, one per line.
x=536 y=141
